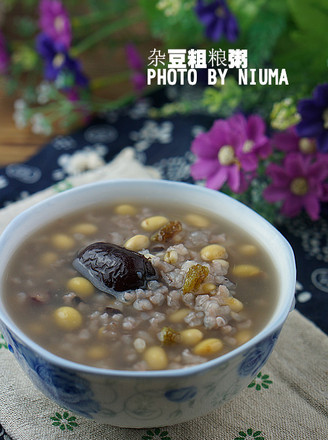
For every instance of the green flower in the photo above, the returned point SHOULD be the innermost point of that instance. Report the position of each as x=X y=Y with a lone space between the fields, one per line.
x=156 y=433
x=284 y=114
x=3 y=343
x=261 y=381
x=249 y=434
x=64 y=421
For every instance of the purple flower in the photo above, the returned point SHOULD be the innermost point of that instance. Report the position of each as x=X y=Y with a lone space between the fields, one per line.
x=230 y=151
x=218 y=20
x=4 y=56
x=57 y=61
x=54 y=22
x=299 y=183
x=314 y=114
x=289 y=141
x=136 y=64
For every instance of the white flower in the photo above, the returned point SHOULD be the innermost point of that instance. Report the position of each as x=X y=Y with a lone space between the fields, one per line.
x=20 y=119
x=81 y=161
x=19 y=114
x=152 y=132
x=40 y=125
x=43 y=92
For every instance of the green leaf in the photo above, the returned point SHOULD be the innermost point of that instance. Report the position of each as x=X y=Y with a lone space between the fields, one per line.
x=58 y=415
x=258 y=387
x=157 y=431
x=69 y=428
x=265 y=376
x=267 y=381
x=62 y=427
x=260 y=438
x=71 y=419
x=259 y=375
x=65 y=415
x=267 y=27
x=56 y=423
x=73 y=424
x=252 y=384
x=256 y=433
x=54 y=418
x=242 y=433
x=250 y=431
x=146 y=437
x=163 y=433
x=264 y=385
x=150 y=433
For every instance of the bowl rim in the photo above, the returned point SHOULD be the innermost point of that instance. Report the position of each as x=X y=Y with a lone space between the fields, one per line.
x=267 y=330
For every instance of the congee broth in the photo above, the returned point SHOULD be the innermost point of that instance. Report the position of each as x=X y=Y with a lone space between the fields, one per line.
x=136 y=287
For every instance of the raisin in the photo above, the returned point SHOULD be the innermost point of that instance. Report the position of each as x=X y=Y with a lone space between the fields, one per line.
x=194 y=278
x=111 y=268
x=169 y=336
x=167 y=231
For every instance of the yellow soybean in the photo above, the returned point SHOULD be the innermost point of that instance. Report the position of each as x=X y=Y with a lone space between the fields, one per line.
x=84 y=229
x=156 y=358
x=246 y=270
x=154 y=223
x=97 y=352
x=62 y=242
x=234 y=304
x=125 y=209
x=213 y=252
x=81 y=286
x=68 y=318
x=137 y=243
x=191 y=336
x=197 y=220
x=208 y=347
x=179 y=315
x=243 y=336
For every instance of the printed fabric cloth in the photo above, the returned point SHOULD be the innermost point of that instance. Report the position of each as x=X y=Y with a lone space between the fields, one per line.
x=287 y=399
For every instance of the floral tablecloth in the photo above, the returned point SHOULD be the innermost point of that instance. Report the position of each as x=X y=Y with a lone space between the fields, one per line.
x=164 y=144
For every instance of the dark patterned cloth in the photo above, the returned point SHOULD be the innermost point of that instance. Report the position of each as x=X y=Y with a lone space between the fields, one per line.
x=164 y=144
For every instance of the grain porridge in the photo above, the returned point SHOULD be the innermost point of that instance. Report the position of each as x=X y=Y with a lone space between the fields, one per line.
x=135 y=287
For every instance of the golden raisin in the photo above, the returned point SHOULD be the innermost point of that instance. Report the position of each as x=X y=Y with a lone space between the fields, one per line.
x=169 y=336
x=194 y=278
x=167 y=231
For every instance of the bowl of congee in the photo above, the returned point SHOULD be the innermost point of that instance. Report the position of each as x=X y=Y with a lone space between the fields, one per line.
x=143 y=303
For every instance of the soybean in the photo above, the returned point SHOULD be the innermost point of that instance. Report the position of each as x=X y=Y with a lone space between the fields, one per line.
x=81 y=286
x=246 y=270
x=156 y=358
x=125 y=209
x=197 y=220
x=208 y=347
x=213 y=252
x=191 y=336
x=62 y=242
x=68 y=318
x=137 y=243
x=154 y=223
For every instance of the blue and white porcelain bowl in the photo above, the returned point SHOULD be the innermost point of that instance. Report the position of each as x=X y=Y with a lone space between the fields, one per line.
x=151 y=398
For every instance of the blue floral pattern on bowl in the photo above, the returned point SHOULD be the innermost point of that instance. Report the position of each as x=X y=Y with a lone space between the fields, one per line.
x=256 y=357
x=181 y=394
x=67 y=388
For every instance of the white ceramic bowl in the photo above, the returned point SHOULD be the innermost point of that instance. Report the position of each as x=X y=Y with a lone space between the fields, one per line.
x=151 y=398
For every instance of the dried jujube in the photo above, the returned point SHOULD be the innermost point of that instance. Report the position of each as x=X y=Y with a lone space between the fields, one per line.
x=111 y=268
